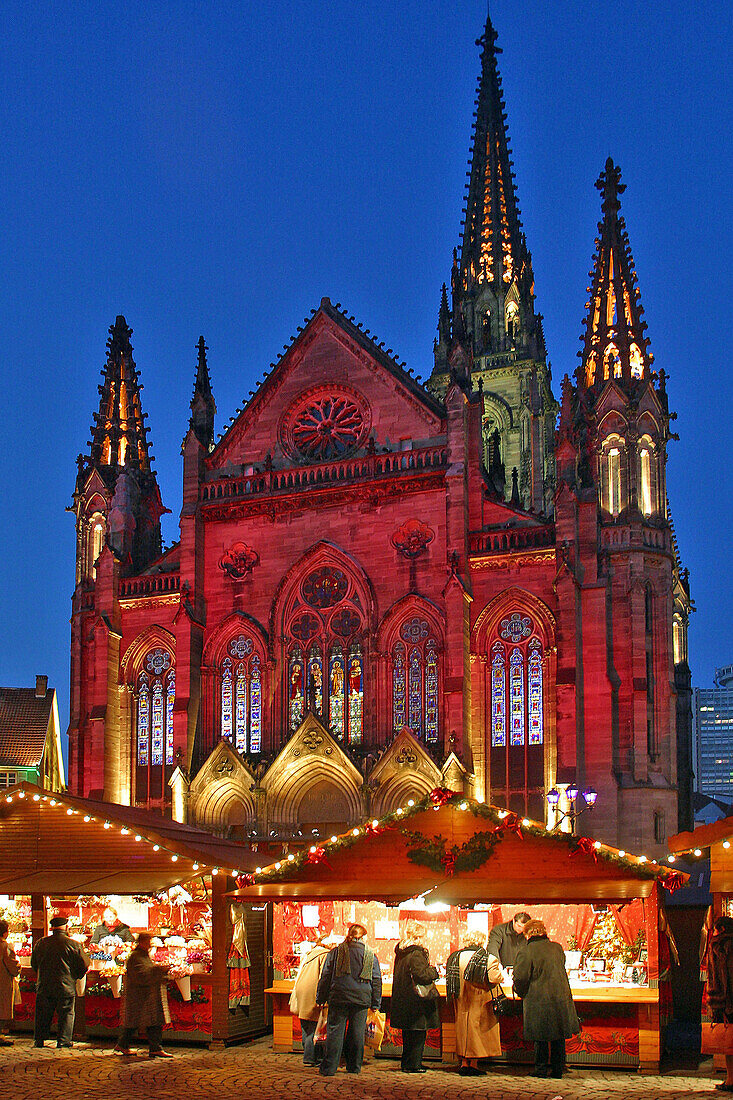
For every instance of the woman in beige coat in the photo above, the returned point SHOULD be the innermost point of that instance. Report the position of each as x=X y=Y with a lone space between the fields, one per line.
x=470 y=974
x=303 y=998
x=9 y=970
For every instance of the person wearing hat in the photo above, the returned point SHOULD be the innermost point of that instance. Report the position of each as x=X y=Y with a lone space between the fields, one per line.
x=58 y=962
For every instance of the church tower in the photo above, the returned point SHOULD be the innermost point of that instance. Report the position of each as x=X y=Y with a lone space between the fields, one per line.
x=117 y=506
x=492 y=333
x=613 y=526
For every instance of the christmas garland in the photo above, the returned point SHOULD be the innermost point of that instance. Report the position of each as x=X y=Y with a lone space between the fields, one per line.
x=436 y=855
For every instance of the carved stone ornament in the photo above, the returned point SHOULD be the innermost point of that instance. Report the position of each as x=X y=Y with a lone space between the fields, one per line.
x=239 y=561
x=224 y=768
x=311 y=742
x=412 y=538
x=405 y=758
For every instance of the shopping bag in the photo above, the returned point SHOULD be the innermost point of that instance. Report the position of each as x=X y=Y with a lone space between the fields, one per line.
x=17 y=998
x=320 y=1033
x=717 y=1038
x=376 y=1023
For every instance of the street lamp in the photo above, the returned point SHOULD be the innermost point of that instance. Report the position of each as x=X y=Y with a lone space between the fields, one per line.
x=573 y=795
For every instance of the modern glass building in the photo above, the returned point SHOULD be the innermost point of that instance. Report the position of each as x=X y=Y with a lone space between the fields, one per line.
x=714 y=736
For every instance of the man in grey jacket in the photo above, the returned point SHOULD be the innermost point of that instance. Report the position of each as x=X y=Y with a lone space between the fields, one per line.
x=58 y=962
x=351 y=984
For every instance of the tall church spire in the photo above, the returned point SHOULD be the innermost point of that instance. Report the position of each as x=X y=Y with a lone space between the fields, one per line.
x=614 y=345
x=119 y=434
x=203 y=406
x=493 y=320
x=124 y=493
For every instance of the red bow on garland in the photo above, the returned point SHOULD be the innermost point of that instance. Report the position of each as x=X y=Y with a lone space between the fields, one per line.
x=319 y=856
x=245 y=880
x=448 y=859
x=441 y=796
x=672 y=881
x=587 y=846
x=513 y=822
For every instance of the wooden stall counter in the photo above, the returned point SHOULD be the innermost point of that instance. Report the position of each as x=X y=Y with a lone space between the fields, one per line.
x=619 y=1025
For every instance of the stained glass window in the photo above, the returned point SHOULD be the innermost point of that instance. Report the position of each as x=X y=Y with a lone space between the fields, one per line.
x=255 y=708
x=295 y=688
x=156 y=724
x=398 y=687
x=336 y=691
x=143 y=721
x=431 y=693
x=415 y=680
x=240 y=713
x=516 y=697
x=170 y=699
x=515 y=716
x=498 y=696
x=356 y=694
x=226 y=699
x=315 y=680
x=155 y=705
x=334 y=667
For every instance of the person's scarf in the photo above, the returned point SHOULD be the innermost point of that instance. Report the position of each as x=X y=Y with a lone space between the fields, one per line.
x=343 y=961
x=720 y=993
x=475 y=971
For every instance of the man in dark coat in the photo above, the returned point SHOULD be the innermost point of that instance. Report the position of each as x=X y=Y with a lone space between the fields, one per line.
x=351 y=984
x=550 y=1018
x=58 y=962
x=414 y=1015
x=505 y=939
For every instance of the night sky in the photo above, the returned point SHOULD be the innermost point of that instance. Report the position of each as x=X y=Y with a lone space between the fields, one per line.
x=217 y=168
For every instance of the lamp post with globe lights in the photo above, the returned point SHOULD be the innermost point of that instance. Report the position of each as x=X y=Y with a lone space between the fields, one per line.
x=589 y=797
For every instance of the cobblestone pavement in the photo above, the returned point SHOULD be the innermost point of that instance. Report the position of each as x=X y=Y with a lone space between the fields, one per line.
x=254 y=1072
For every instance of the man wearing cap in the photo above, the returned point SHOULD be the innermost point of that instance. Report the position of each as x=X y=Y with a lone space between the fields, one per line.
x=58 y=962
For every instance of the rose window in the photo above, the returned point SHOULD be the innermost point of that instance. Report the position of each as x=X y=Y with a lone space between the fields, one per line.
x=325 y=426
x=325 y=587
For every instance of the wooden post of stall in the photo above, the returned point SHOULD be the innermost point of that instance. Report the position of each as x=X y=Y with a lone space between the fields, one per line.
x=649 y=1027
x=221 y=935
x=39 y=928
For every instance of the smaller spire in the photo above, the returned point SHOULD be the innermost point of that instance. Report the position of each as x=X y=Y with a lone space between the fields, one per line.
x=615 y=347
x=203 y=406
x=119 y=434
x=444 y=317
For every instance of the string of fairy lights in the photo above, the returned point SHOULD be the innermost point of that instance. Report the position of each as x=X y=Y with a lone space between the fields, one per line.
x=316 y=853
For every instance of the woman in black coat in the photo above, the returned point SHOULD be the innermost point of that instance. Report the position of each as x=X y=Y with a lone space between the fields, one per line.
x=414 y=1015
x=541 y=980
x=719 y=988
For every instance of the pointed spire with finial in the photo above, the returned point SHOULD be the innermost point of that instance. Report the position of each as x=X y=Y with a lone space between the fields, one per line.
x=444 y=317
x=119 y=434
x=203 y=406
x=615 y=347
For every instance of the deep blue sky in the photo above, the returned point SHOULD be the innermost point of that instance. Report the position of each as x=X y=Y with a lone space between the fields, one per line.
x=217 y=167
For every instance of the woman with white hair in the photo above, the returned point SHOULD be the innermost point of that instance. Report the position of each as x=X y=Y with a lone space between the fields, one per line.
x=470 y=975
x=414 y=1014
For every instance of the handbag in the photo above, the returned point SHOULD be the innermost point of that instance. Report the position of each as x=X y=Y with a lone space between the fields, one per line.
x=501 y=1004
x=427 y=992
x=717 y=1038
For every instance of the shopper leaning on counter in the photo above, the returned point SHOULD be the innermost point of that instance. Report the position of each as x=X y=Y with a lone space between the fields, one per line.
x=413 y=1014
x=303 y=998
x=549 y=1014
x=351 y=984
x=470 y=975
x=9 y=971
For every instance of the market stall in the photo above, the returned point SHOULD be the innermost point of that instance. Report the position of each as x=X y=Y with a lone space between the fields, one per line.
x=456 y=863
x=114 y=871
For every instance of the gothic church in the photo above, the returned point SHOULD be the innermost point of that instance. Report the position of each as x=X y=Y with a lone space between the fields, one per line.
x=382 y=586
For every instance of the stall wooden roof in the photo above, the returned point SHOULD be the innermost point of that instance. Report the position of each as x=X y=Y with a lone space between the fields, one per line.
x=498 y=857
x=718 y=837
x=54 y=843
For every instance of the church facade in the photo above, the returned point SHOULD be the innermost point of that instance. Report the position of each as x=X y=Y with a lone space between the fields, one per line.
x=382 y=586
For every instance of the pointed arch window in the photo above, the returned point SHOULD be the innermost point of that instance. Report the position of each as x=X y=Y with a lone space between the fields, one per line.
x=516 y=722
x=241 y=695
x=636 y=362
x=325 y=659
x=96 y=543
x=647 y=476
x=155 y=696
x=612 y=363
x=613 y=475
x=416 y=680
